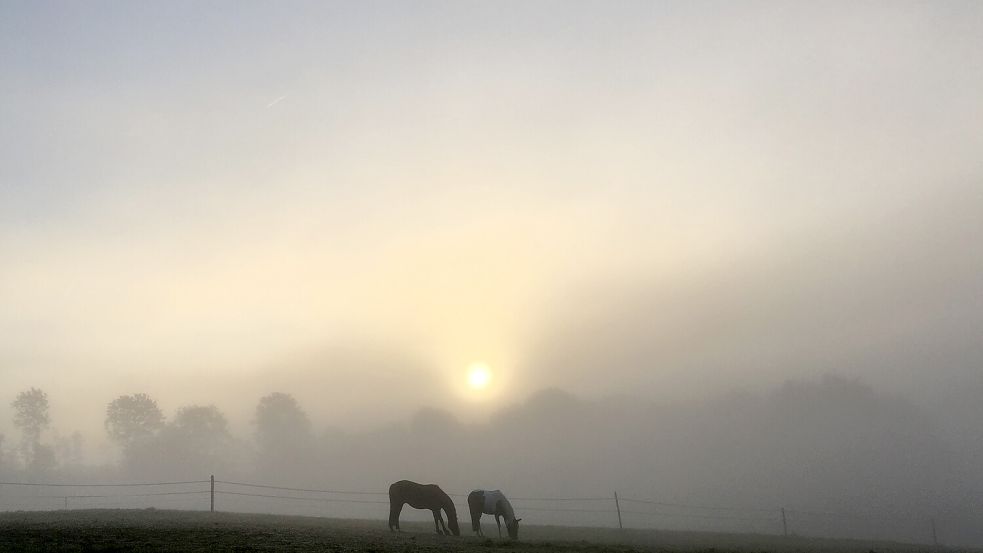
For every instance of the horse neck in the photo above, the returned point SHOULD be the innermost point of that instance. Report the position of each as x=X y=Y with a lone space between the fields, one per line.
x=507 y=509
x=448 y=505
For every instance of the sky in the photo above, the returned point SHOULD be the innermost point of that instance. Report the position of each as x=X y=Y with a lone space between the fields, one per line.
x=358 y=202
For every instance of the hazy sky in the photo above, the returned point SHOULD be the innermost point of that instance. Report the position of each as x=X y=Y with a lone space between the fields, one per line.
x=354 y=201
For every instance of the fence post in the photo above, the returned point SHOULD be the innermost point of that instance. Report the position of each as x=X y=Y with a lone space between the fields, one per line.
x=784 y=523
x=617 y=505
x=935 y=537
x=213 y=494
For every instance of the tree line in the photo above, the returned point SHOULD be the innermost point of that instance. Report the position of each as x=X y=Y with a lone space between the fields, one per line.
x=197 y=440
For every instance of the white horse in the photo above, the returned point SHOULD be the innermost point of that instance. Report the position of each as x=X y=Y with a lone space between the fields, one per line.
x=492 y=502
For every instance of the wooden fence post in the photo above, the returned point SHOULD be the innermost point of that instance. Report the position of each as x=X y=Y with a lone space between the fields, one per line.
x=617 y=505
x=784 y=523
x=935 y=536
x=213 y=494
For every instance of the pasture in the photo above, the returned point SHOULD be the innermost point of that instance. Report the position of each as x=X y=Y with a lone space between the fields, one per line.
x=165 y=530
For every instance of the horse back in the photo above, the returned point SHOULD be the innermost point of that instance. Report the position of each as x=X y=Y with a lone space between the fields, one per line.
x=401 y=488
x=409 y=486
x=491 y=500
x=418 y=496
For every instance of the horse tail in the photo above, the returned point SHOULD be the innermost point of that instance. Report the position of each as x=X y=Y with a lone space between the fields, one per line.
x=395 y=506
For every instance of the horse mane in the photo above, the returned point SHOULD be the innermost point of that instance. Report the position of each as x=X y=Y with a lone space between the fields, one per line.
x=504 y=507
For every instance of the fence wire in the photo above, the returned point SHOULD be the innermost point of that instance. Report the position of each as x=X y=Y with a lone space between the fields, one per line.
x=102 y=485
x=655 y=513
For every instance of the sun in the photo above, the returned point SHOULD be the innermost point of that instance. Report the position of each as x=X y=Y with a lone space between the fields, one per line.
x=479 y=376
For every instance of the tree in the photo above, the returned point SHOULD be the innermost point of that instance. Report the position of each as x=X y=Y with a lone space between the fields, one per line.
x=133 y=418
x=31 y=416
x=201 y=423
x=68 y=449
x=283 y=433
x=280 y=419
x=197 y=441
x=42 y=461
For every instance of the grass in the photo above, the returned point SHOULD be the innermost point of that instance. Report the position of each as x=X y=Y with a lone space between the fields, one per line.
x=194 y=531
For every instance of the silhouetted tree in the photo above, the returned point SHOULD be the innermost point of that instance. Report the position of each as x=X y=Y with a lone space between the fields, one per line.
x=133 y=418
x=68 y=449
x=283 y=433
x=201 y=424
x=42 y=461
x=278 y=417
x=31 y=416
x=197 y=440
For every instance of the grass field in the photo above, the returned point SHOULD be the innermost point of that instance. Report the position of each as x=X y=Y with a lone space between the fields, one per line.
x=162 y=530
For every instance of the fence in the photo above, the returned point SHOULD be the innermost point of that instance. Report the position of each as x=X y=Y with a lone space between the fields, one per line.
x=615 y=511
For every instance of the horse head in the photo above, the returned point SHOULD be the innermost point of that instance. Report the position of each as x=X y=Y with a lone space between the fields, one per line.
x=513 y=528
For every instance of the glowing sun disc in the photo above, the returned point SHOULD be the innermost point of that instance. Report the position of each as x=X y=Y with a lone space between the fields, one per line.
x=479 y=376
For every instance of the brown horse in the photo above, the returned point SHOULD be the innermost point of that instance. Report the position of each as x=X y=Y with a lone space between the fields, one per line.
x=422 y=496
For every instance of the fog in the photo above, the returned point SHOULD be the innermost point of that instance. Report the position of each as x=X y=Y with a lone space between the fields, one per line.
x=883 y=302
x=723 y=255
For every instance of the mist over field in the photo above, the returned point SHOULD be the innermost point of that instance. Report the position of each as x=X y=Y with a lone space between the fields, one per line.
x=882 y=465
x=702 y=254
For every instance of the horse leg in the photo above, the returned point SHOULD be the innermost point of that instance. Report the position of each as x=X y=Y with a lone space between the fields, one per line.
x=499 y=523
x=441 y=519
x=475 y=517
x=394 y=509
x=437 y=521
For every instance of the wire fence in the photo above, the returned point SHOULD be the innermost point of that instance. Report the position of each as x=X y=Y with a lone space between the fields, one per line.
x=614 y=511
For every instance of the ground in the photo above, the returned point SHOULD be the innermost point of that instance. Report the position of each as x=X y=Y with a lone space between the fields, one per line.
x=161 y=530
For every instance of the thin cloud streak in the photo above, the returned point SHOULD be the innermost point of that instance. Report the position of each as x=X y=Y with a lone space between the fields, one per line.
x=275 y=102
